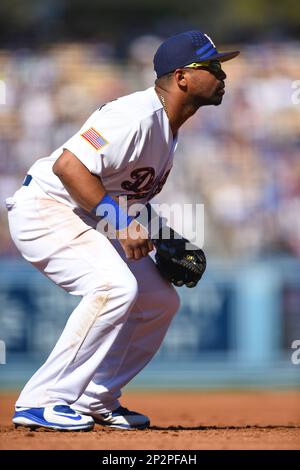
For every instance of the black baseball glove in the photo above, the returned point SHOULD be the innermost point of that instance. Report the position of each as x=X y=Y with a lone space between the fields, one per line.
x=176 y=263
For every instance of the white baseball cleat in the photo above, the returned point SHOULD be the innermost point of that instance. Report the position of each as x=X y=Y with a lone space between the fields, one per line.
x=122 y=418
x=59 y=417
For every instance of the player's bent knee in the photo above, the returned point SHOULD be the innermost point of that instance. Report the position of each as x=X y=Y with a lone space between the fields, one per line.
x=128 y=286
x=122 y=287
x=168 y=301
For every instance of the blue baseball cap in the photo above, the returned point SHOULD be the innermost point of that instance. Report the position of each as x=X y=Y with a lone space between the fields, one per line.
x=185 y=48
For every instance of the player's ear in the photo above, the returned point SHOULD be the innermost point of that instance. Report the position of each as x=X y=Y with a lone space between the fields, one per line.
x=180 y=77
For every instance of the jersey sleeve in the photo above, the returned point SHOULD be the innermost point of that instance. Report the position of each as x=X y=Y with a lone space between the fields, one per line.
x=105 y=141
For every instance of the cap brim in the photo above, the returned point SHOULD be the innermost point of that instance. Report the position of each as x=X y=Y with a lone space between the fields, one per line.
x=224 y=56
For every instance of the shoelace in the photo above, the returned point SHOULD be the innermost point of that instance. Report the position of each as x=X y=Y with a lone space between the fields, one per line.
x=121 y=410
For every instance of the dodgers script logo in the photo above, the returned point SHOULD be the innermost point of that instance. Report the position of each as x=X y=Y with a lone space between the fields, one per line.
x=143 y=183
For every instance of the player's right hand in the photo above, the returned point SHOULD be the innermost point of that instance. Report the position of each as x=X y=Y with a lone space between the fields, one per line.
x=135 y=241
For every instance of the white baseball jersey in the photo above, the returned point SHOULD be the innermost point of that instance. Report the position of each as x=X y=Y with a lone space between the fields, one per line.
x=128 y=143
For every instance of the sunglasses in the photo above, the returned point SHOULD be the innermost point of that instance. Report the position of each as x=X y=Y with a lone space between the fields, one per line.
x=214 y=66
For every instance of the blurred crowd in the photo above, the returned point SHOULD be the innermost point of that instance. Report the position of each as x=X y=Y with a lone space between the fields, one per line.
x=241 y=159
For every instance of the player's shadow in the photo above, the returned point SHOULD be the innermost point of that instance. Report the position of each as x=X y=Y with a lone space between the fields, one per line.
x=221 y=428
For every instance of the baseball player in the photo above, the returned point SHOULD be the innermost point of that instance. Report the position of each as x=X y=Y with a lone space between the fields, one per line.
x=126 y=149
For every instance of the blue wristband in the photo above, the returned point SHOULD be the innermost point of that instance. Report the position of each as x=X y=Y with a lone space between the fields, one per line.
x=112 y=212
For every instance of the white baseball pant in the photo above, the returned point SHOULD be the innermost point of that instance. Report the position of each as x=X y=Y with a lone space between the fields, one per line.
x=119 y=324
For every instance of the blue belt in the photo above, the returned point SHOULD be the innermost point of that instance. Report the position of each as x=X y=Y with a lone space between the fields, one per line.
x=27 y=180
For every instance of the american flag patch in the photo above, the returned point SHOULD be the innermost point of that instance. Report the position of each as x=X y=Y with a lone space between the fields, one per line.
x=94 y=138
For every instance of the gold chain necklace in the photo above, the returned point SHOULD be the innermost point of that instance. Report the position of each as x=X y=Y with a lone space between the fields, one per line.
x=164 y=104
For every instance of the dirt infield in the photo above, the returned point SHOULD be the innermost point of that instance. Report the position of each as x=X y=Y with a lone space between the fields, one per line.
x=179 y=420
